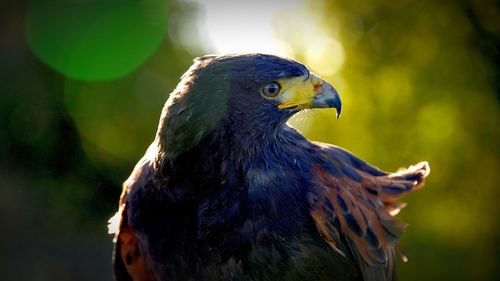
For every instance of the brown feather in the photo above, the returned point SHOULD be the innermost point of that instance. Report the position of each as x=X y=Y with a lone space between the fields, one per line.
x=363 y=209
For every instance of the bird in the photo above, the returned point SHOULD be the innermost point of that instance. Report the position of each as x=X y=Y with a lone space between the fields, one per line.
x=228 y=190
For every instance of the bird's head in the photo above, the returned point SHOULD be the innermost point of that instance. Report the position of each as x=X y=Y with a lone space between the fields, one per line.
x=251 y=96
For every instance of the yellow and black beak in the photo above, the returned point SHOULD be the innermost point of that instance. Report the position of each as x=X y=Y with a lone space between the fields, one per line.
x=308 y=92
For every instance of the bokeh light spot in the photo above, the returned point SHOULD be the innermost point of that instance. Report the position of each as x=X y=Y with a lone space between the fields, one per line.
x=95 y=40
x=104 y=112
x=325 y=55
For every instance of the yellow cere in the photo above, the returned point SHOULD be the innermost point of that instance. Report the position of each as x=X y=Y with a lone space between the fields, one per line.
x=299 y=91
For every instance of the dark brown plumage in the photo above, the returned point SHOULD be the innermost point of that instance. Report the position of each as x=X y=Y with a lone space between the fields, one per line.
x=228 y=191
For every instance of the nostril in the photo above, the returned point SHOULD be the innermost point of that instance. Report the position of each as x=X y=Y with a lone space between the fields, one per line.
x=318 y=86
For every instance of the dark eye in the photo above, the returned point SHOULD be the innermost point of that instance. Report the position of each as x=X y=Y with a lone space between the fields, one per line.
x=271 y=90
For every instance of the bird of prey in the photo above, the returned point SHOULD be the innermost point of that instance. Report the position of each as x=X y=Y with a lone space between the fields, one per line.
x=229 y=191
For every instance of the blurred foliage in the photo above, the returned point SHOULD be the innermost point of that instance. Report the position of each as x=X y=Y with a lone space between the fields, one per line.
x=420 y=80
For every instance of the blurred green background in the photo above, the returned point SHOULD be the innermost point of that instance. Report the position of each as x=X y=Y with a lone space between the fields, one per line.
x=82 y=83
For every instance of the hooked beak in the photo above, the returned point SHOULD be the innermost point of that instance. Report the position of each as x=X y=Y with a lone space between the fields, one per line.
x=313 y=92
x=328 y=97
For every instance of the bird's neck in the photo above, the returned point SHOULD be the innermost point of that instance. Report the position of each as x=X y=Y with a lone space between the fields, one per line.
x=225 y=152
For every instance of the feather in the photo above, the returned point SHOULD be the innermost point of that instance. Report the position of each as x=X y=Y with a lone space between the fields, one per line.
x=228 y=191
x=364 y=203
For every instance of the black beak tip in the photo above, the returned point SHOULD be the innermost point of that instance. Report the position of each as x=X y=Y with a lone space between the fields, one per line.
x=339 y=110
x=337 y=104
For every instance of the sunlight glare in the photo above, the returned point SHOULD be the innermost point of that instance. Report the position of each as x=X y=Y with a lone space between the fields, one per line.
x=326 y=56
x=246 y=26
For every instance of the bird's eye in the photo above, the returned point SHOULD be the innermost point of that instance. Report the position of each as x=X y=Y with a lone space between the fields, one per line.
x=271 y=90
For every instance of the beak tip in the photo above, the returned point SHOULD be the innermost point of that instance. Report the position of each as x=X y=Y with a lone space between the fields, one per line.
x=328 y=97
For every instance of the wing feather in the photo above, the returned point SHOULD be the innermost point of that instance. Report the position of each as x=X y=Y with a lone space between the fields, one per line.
x=128 y=256
x=358 y=203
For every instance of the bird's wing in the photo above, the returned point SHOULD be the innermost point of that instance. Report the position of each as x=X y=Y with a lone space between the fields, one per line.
x=353 y=205
x=128 y=257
